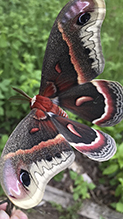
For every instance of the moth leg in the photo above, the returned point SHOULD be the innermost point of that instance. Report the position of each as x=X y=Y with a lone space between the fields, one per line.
x=9 y=207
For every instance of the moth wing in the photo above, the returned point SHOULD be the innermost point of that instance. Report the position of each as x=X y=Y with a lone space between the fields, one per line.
x=94 y=144
x=33 y=154
x=98 y=101
x=73 y=54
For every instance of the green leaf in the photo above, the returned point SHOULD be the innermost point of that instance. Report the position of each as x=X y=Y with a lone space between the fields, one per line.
x=91 y=186
x=4 y=85
x=118 y=190
x=119 y=207
x=111 y=169
x=75 y=196
x=3 y=41
x=3 y=141
x=73 y=174
x=121 y=181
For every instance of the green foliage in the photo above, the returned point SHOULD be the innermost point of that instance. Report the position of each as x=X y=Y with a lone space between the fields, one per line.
x=70 y=213
x=114 y=172
x=110 y=169
x=81 y=187
x=25 y=27
x=3 y=140
x=112 y=42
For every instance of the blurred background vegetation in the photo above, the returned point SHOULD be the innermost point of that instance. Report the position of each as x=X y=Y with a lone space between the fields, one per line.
x=24 y=30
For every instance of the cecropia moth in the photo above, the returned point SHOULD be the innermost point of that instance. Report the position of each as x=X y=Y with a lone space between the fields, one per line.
x=40 y=146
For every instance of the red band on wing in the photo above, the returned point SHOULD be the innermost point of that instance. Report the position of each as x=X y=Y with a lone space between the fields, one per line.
x=81 y=74
x=101 y=149
x=109 y=108
x=100 y=140
x=51 y=142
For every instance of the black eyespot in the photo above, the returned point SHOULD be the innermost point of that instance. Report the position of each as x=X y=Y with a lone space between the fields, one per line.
x=87 y=51
x=83 y=18
x=58 y=155
x=24 y=177
x=48 y=158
